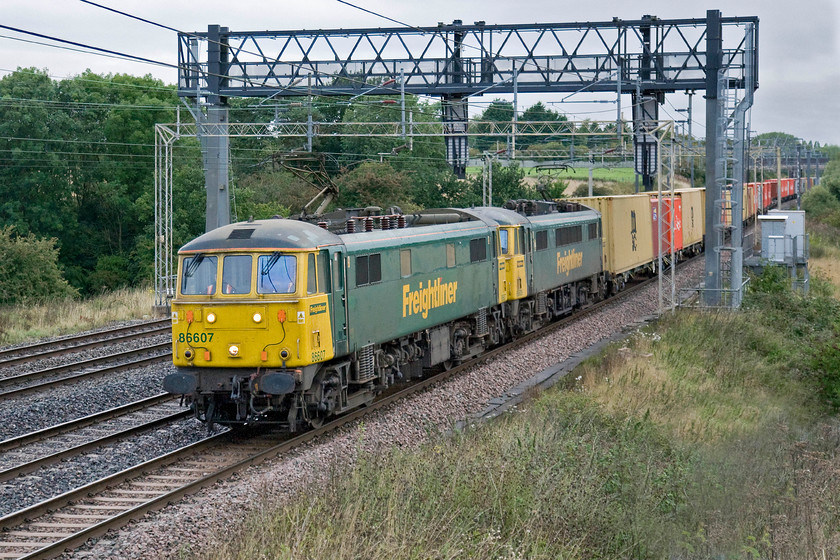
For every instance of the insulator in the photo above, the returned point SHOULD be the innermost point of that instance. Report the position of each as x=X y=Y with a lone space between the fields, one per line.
x=351 y=226
x=323 y=225
x=368 y=224
x=386 y=222
x=401 y=221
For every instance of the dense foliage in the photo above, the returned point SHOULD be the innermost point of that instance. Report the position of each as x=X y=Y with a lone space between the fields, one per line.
x=823 y=202
x=78 y=168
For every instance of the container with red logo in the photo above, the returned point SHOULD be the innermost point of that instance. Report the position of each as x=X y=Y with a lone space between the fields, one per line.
x=671 y=218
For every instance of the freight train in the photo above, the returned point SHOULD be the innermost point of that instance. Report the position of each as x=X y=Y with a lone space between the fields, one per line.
x=289 y=323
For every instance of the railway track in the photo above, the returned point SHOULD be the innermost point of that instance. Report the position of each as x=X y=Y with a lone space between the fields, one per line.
x=64 y=444
x=67 y=345
x=75 y=425
x=17 y=385
x=67 y=521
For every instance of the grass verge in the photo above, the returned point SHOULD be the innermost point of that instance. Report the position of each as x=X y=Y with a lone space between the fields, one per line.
x=708 y=435
x=22 y=323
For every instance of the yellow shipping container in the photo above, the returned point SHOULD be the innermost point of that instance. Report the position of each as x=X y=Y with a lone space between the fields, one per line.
x=627 y=229
x=693 y=215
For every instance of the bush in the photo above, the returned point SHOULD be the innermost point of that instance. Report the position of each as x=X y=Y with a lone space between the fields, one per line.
x=819 y=203
x=112 y=272
x=29 y=269
x=597 y=190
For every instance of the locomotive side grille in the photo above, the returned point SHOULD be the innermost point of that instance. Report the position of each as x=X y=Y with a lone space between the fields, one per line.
x=367 y=371
x=481 y=322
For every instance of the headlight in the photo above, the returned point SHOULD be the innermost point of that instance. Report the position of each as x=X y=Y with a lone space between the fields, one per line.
x=257 y=318
x=211 y=317
x=233 y=350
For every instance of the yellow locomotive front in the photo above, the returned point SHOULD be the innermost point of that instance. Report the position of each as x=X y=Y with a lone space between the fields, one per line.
x=249 y=325
x=249 y=310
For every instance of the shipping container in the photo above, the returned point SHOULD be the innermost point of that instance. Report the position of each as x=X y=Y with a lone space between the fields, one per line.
x=750 y=193
x=790 y=188
x=670 y=219
x=771 y=189
x=627 y=232
x=726 y=208
x=693 y=203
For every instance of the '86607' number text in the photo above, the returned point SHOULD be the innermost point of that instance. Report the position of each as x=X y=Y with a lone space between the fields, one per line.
x=195 y=337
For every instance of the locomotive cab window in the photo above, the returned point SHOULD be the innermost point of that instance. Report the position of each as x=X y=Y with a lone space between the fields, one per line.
x=199 y=275
x=593 y=230
x=311 y=274
x=236 y=274
x=503 y=242
x=277 y=274
x=324 y=273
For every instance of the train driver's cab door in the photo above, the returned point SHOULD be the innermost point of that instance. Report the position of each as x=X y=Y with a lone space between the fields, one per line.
x=339 y=301
x=511 y=255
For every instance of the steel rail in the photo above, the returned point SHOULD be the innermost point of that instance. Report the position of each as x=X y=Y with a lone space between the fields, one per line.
x=79 y=342
x=36 y=464
x=25 y=377
x=58 y=429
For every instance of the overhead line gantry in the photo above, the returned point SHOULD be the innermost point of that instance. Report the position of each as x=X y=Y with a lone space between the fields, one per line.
x=645 y=58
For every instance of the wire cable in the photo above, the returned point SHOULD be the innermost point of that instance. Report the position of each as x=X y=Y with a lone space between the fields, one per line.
x=90 y=47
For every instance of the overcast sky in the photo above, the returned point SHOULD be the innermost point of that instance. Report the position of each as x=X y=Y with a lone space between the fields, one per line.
x=799 y=46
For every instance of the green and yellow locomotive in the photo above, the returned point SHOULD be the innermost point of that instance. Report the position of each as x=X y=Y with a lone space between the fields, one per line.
x=285 y=322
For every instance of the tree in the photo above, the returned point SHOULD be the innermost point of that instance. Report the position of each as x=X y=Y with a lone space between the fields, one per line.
x=497 y=111
x=508 y=184
x=374 y=184
x=831 y=178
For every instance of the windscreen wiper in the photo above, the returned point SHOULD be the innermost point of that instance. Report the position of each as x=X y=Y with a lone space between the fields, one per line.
x=193 y=266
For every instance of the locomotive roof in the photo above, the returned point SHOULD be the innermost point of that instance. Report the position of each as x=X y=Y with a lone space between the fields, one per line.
x=555 y=218
x=275 y=233
x=378 y=239
x=501 y=216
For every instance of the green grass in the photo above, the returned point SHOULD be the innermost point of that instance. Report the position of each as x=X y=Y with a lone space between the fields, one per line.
x=707 y=435
x=618 y=174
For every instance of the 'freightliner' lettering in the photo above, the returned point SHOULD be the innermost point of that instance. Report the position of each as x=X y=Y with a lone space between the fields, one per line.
x=435 y=294
x=569 y=261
